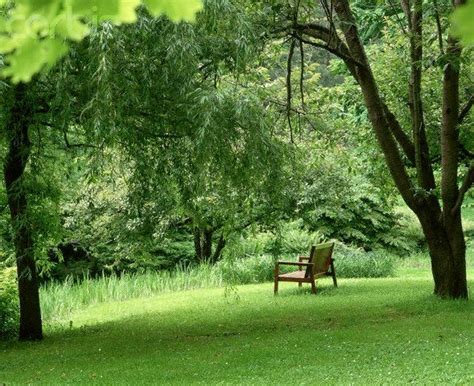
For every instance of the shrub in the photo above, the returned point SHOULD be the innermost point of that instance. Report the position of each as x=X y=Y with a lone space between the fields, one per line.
x=291 y=238
x=254 y=269
x=355 y=263
x=9 y=310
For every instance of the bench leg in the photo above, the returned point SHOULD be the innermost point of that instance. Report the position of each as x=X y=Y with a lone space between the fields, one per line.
x=313 y=287
x=333 y=271
x=300 y=284
x=276 y=273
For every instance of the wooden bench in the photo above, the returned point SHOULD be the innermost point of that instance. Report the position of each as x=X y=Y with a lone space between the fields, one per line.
x=319 y=263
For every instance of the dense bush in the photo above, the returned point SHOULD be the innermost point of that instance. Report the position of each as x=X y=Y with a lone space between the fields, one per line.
x=254 y=269
x=9 y=311
x=352 y=262
x=291 y=237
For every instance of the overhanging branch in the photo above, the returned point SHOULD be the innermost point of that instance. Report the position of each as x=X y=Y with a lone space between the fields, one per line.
x=465 y=110
x=466 y=185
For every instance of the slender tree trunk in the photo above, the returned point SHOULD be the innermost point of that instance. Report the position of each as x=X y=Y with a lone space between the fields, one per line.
x=203 y=243
x=219 y=247
x=197 y=243
x=207 y=244
x=14 y=167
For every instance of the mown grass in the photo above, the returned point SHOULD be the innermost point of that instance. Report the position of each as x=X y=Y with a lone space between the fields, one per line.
x=367 y=331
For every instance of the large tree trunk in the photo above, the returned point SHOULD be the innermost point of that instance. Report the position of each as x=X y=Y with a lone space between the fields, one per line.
x=14 y=167
x=207 y=244
x=197 y=243
x=219 y=247
x=448 y=263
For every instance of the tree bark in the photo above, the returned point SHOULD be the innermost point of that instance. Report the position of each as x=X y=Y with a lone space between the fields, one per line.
x=207 y=244
x=219 y=247
x=422 y=156
x=197 y=243
x=14 y=167
x=450 y=194
x=203 y=243
x=448 y=264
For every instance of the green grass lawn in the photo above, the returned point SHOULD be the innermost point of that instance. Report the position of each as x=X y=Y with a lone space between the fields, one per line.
x=367 y=331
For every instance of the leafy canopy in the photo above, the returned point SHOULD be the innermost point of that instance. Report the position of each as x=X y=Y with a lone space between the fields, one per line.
x=34 y=33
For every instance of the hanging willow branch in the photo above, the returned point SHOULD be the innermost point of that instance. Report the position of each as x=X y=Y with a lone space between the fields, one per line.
x=289 y=94
x=438 y=27
x=302 y=73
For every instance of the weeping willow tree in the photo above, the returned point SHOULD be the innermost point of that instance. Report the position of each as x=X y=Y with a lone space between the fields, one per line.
x=188 y=126
x=34 y=36
x=160 y=93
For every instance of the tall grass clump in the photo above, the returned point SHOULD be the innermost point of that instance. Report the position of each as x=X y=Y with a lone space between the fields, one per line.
x=356 y=263
x=59 y=299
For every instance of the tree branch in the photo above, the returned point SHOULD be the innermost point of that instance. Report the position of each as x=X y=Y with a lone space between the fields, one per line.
x=466 y=185
x=438 y=27
x=374 y=103
x=289 y=95
x=402 y=138
x=334 y=44
x=465 y=110
x=449 y=132
x=337 y=47
x=424 y=169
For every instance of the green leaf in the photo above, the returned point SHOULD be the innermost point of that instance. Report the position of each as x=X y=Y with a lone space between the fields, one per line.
x=176 y=10
x=33 y=31
x=463 y=23
x=32 y=56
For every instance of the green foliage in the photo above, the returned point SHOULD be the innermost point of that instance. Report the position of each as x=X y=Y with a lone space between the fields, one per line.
x=352 y=262
x=462 y=25
x=9 y=308
x=338 y=199
x=34 y=34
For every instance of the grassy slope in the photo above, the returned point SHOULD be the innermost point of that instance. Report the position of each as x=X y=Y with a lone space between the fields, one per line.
x=367 y=331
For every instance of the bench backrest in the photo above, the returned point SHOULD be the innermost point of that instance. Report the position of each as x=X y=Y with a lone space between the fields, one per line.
x=321 y=257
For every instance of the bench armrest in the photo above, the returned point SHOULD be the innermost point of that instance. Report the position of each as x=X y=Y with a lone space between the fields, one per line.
x=301 y=258
x=300 y=264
